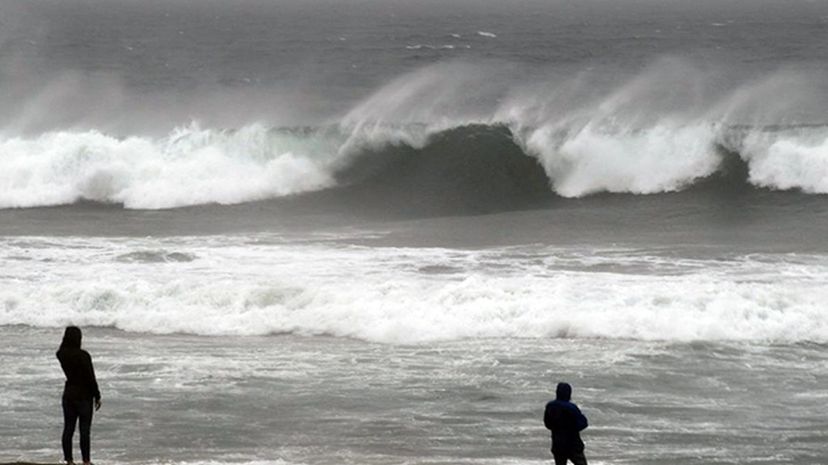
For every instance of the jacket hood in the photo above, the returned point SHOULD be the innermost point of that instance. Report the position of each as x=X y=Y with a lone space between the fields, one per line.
x=563 y=392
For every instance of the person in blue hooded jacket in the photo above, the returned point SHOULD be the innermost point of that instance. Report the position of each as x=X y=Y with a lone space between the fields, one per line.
x=566 y=421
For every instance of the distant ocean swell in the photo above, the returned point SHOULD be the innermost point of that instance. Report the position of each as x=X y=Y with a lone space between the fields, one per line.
x=643 y=137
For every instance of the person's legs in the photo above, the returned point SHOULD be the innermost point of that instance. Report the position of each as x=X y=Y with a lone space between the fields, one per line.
x=578 y=458
x=85 y=425
x=560 y=459
x=70 y=417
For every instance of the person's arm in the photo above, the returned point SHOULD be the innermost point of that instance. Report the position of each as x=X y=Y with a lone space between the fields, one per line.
x=92 y=381
x=548 y=419
x=580 y=420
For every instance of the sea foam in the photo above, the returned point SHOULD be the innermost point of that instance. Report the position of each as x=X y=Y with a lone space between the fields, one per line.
x=788 y=163
x=235 y=287
x=190 y=166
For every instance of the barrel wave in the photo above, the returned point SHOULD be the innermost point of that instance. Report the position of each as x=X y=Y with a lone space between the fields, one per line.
x=482 y=167
x=455 y=132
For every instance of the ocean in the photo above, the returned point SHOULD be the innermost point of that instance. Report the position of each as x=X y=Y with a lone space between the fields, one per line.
x=381 y=231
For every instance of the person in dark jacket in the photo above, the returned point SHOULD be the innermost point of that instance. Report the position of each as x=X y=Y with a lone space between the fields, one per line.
x=80 y=391
x=566 y=422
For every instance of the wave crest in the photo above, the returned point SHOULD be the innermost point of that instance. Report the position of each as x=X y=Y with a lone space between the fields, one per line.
x=191 y=166
x=661 y=131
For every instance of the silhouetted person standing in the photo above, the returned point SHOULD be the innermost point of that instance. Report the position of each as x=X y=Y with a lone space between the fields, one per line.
x=80 y=391
x=566 y=422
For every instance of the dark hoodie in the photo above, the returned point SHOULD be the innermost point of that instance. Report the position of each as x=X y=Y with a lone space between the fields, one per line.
x=565 y=421
x=77 y=365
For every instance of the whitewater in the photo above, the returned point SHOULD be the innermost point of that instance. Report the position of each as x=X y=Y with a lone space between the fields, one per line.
x=629 y=140
x=260 y=286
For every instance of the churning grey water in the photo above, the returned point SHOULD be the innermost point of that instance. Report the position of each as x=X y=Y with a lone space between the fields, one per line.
x=380 y=231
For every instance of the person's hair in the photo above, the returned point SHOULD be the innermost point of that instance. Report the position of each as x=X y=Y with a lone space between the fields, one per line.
x=71 y=338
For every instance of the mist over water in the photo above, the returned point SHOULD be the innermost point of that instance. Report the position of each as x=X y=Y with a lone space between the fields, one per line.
x=642 y=137
x=218 y=86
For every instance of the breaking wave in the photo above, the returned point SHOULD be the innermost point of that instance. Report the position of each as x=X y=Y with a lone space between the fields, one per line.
x=190 y=166
x=195 y=166
x=427 y=133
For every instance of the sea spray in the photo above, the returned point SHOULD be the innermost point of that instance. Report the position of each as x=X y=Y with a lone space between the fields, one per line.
x=660 y=131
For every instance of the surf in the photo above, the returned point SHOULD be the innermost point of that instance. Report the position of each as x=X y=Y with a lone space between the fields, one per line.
x=254 y=285
x=455 y=131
